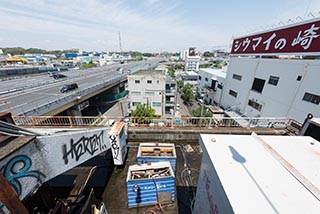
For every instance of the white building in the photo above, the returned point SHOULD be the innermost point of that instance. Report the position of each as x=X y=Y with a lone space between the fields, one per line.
x=192 y=63
x=189 y=77
x=258 y=174
x=273 y=87
x=210 y=84
x=148 y=87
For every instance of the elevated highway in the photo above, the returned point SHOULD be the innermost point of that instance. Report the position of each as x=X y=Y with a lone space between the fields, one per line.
x=40 y=94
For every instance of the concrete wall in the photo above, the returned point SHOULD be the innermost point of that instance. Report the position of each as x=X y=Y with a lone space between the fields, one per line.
x=48 y=156
x=181 y=135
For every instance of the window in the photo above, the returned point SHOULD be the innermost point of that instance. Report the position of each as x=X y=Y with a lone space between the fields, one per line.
x=273 y=80
x=149 y=93
x=213 y=84
x=137 y=81
x=258 y=85
x=233 y=93
x=136 y=103
x=237 y=77
x=199 y=77
x=220 y=86
x=255 y=105
x=206 y=79
x=149 y=81
x=156 y=104
x=299 y=78
x=312 y=98
x=135 y=93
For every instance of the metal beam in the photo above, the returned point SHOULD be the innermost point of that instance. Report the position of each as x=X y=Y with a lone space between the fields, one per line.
x=9 y=198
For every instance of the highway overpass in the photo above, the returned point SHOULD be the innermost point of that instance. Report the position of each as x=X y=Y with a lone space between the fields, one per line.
x=40 y=94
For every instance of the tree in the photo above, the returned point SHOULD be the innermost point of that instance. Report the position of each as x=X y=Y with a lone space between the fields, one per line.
x=205 y=112
x=208 y=54
x=143 y=111
x=187 y=94
x=171 y=71
x=180 y=84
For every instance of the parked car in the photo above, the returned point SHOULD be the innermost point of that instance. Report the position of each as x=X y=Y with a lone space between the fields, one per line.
x=68 y=87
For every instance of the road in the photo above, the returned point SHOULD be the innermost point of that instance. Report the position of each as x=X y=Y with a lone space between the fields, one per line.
x=30 y=92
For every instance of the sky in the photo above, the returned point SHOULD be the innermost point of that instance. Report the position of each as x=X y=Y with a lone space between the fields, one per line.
x=144 y=25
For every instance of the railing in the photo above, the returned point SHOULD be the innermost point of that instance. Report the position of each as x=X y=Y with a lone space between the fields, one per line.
x=289 y=124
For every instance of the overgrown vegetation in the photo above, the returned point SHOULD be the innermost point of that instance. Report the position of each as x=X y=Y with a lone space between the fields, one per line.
x=171 y=71
x=143 y=111
x=205 y=112
x=187 y=94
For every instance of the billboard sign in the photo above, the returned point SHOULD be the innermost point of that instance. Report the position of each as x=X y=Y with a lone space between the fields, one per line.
x=300 y=39
x=192 y=52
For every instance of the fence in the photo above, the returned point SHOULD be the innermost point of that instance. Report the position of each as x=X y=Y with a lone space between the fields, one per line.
x=209 y=122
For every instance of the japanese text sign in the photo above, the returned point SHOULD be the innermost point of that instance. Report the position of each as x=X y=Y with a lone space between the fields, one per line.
x=302 y=39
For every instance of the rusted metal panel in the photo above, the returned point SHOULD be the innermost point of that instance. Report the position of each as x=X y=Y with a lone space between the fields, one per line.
x=9 y=198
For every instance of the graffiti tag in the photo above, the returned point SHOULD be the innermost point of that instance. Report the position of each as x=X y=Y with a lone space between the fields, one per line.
x=115 y=146
x=84 y=145
x=17 y=168
x=213 y=206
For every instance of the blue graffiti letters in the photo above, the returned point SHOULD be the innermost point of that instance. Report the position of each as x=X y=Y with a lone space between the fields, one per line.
x=18 y=167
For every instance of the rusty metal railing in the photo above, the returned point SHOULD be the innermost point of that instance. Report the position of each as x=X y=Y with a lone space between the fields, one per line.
x=209 y=122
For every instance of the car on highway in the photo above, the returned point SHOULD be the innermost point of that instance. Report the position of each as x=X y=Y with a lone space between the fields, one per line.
x=68 y=87
x=58 y=76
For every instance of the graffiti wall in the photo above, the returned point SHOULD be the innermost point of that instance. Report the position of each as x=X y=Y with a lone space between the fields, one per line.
x=48 y=156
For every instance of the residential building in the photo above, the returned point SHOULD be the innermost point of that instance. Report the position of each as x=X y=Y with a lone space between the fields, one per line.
x=273 y=87
x=171 y=94
x=192 y=60
x=192 y=63
x=148 y=87
x=189 y=77
x=210 y=84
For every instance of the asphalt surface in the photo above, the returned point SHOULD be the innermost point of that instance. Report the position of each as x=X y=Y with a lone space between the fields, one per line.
x=28 y=92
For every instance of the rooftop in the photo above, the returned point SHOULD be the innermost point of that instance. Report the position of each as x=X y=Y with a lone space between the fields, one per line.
x=219 y=72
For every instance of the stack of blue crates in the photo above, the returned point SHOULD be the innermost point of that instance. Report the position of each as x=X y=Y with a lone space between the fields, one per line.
x=150 y=183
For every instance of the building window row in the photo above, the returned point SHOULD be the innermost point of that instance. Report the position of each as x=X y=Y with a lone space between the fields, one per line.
x=255 y=105
x=237 y=76
x=312 y=98
x=233 y=93
x=148 y=81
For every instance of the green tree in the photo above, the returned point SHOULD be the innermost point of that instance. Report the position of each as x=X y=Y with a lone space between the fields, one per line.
x=180 y=84
x=205 y=112
x=208 y=54
x=187 y=94
x=171 y=71
x=143 y=111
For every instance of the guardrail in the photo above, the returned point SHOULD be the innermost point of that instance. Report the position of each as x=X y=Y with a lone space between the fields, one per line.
x=44 y=107
x=289 y=124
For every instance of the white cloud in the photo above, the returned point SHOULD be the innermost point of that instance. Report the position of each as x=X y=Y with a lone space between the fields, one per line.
x=94 y=24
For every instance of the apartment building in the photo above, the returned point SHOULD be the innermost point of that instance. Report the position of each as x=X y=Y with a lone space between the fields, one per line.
x=153 y=88
x=210 y=85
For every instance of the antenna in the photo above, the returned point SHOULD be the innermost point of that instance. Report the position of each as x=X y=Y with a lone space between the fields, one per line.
x=120 y=45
